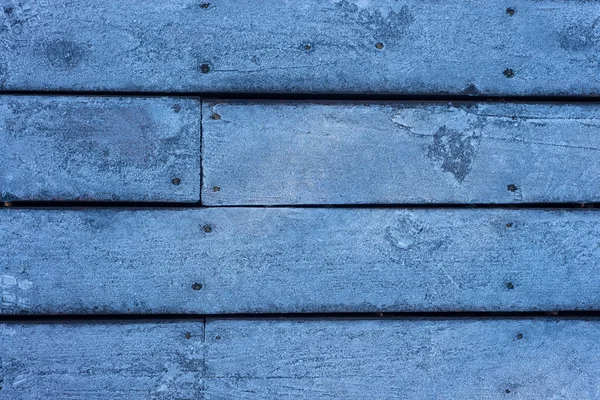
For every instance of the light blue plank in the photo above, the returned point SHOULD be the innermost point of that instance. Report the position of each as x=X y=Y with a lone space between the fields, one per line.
x=261 y=260
x=531 y=47
x=257 y=153
x=99 y=148
x=99 y=361
x=396 y=359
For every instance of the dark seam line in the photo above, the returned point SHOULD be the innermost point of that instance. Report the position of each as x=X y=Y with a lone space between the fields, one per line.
x=301 y=316
x=332 y=96
x=198 y=205
x=201 y=149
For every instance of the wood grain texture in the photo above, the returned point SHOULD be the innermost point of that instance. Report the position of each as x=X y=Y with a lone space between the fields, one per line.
x=403 y=359
x=535 y=47
x=257 y=153
x=261 y=260
x=99 y=361
x=99 y=148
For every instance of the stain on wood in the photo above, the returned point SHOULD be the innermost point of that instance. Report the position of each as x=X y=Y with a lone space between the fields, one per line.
x=261 y=260
x=260 y=153
x=99 y=148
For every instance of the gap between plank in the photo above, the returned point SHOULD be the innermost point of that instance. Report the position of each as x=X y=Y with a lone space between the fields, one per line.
x=300 y=96
x=60 y=318
x=198 y=205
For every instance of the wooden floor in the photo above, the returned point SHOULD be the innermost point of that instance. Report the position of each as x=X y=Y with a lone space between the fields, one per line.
x=341 y=199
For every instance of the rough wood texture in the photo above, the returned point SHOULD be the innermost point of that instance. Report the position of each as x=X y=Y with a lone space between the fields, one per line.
x=99 y=361
x=99 y=148
x=531 y=47
x=342 y=153
x=238 y=260
x=394 y=359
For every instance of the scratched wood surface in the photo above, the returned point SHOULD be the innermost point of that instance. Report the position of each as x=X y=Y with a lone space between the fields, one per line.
x=99 y=148
x=403 y=359
x=349 y=153
x=529 y=47
x=261 y=260
x=99 y=361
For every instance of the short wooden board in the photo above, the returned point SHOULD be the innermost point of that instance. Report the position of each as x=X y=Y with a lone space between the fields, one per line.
x=99 y=149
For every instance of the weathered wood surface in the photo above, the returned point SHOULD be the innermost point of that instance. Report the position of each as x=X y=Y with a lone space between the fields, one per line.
x=99 y=361
x=395 y=359
x=99 y=148
x=532 y=47
x=256 y=260
x=257 y=153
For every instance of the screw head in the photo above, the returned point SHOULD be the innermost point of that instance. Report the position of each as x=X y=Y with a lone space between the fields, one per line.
x=207 y=228
x=196 y=286
x=379 y=45
x=510 y=286
x=509 y=73
x=519 y=336
x=176 y=181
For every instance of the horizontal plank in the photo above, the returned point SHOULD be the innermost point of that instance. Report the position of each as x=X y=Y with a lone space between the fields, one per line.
x=396 y=359
x=99 y=361
x=287 y=359
x=267 y=260
x=99 y=148
x=538 y=47
x=257 y=153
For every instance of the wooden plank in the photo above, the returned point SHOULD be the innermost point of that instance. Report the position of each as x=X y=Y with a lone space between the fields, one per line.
x=396 y=359
x=136 y=360
x=535 y=47
x=99 y=148
x=267 y=260
x=259 y=153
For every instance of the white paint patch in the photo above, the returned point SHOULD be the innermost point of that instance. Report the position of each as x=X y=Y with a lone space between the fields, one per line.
x=8 y=331
x=7 y=281
x=419 y=121
x=372 y=6
x=25 y=284
x=23 y=379
x=12 y=289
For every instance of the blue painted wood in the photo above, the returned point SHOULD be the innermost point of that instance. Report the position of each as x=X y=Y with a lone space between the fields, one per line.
x=271 y=260
x=301 y=359
x=99 y=148
x=403 y=359
x=532 y=47
x=99 y=361
x=257 y=153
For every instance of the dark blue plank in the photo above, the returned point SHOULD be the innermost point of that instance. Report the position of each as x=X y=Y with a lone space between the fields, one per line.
x=99 y=361
x=348 y=153
x=99 y=148
x=403 y=359
x=268 y=260
x=532 y=47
